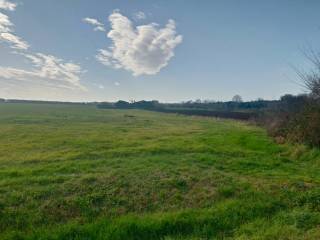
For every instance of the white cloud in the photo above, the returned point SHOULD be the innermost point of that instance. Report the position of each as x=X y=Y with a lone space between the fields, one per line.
x=14 y=73
x=54 y=68
x=46 y=67
x=144 y=49
x=116 y=83
x=98 y=26
x=7 y=34
x=15 y=41
x=6 y=5
x=92 y=21
x=139 y=15
x=5 y=23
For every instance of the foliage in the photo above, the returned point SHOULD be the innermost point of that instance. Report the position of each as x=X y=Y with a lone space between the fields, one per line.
x=237 y=98
x=296 y=119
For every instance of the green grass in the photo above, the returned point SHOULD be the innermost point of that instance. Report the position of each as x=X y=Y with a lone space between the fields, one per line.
x=77 y=172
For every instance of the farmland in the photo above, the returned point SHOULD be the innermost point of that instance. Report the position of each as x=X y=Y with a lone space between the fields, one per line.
x=78 y=172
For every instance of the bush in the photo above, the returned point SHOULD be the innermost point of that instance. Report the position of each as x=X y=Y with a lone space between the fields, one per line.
x=295 y=119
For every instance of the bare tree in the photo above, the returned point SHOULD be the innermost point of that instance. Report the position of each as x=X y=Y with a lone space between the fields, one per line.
x=237 y=98
x=311 y=79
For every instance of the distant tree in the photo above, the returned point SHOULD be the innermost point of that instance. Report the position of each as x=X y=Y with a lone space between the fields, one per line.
x=207 y=101
x=291 y=103
x=237 y=98
x=145 y=104
x=122 y=104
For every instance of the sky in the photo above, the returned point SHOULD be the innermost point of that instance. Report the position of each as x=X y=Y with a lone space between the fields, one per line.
x=168 y=50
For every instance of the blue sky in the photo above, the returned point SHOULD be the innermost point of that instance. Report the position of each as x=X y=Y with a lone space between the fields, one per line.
x=166 y=50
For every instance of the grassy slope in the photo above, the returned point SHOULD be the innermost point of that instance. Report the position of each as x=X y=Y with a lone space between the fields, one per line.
x=76 y=172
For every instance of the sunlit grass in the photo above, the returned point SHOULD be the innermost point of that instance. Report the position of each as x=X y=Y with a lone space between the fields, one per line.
x=77 y=172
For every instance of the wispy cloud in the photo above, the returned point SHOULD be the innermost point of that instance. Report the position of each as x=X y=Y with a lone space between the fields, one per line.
x=143 y=49
x=6 y=5
x=98 y=26
x=5 y=23
x=45 y=68
x=139 y=15
x=7 y=33
x=15 y=41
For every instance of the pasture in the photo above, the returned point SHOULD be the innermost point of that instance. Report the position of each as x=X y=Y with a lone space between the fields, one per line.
x=78 y=172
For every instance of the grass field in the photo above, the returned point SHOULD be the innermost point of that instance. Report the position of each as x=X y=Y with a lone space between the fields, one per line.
x=77 y=172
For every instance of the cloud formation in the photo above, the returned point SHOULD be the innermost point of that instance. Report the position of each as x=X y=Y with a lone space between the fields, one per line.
x=143 y=49
x=5 y=23
x=15 y=41
x=7 y=32
x=98 y=26
x=62 y=74
x=139 y=15
x=6 y=5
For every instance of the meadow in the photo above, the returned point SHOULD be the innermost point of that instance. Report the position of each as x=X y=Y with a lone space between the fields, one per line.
x=79 y=172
